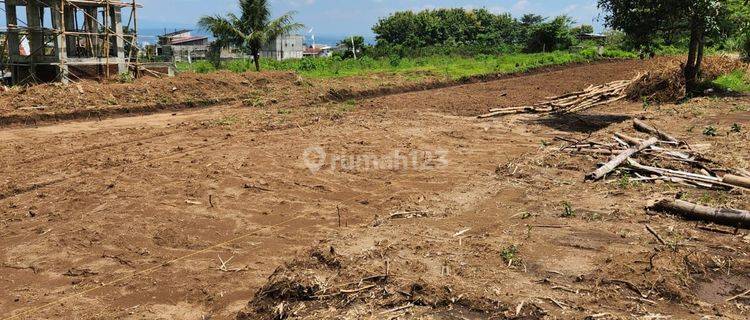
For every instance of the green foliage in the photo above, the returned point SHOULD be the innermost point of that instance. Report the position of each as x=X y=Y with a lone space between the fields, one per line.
x=710 y=131
x=568 y=211
x=448 y=66
x=203 y=66
x=253 y=28
x=125 y=77
x=745 y=45
x=551 y=36
x=453 y=27
x=239 y=65
x=351 y=45
x=582 y=30
x=510 y=254
x=736 y=81
x=736 y=128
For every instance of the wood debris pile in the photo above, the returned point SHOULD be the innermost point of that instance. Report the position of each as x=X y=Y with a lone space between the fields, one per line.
x=590 y=97
x=660 y=157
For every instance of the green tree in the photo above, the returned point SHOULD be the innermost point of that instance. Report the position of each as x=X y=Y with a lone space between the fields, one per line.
x=351 y=45
x=551 y=36
x=447 y=27
x=647 y=21
x=252 y=29
x=582 y=30
x=531 y=19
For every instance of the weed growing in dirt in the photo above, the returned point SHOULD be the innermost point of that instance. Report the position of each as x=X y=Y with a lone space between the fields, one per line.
x=626 y=182
x=710 y=131
x=741 y=108
x=510 y=255
x=254 y=102
x=594 y=216
x=284 y=111
x=568 y=211
x=125 y=77
x=646 y=103
x=736 y=128
x=226 y=121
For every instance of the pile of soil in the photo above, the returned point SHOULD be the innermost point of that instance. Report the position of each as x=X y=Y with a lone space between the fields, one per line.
x=665 y=80
x=323 y=284
x=144 y=94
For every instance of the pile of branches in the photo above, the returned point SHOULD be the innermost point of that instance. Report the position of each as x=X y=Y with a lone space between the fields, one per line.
x=659 y=157
x=590 y=97
x=663 y=157
x=665 y=80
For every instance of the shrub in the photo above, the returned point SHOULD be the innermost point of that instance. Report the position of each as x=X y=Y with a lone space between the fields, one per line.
x=239 y=66
x=203 y=66
x=745 y=46
x=307 y=64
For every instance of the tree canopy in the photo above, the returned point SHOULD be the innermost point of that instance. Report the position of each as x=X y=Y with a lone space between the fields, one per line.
x=479 y=27
x=253 y=28
x=647 y=22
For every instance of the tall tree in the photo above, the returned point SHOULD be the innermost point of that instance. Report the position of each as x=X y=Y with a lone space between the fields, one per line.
x=645 y=21
x=252 y=29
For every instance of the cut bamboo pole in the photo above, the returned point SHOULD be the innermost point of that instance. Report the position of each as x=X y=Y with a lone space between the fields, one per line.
x=644 y=127
x=736 y=181
x=622 y=157
x=732 y=217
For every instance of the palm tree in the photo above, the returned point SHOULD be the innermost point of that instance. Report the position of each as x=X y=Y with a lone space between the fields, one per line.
x=251 y=29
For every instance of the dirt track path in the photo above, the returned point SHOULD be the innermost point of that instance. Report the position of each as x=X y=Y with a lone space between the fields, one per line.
x=130 y=217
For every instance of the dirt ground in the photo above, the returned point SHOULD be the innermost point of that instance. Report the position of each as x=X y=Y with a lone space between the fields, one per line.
x=419 y=210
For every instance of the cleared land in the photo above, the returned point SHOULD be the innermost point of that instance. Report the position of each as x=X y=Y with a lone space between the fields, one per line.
x=132 y=217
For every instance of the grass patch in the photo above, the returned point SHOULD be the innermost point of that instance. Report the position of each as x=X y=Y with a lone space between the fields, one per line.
x=737 y=81
x=447 y=66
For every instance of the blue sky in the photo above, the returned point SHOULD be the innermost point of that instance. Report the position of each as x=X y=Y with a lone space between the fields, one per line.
x=341 y=17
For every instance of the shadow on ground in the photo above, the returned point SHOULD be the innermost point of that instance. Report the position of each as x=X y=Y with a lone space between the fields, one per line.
x=580 y=122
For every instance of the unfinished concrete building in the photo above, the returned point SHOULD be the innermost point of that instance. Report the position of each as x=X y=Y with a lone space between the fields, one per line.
x=64 y=40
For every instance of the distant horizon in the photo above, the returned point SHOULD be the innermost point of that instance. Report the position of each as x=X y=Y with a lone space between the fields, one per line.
x=336 y=19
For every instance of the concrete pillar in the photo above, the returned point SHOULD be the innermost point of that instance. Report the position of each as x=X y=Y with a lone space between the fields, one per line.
x=71 y=42
x=61 y=51
x=14 y=41
x=118 y=38
x=36 y=36
x=91 y=26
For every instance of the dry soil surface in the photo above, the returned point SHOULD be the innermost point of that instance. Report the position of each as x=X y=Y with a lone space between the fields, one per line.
x=417 y=210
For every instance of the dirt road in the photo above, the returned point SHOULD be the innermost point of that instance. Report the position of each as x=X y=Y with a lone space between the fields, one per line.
x=184 y=216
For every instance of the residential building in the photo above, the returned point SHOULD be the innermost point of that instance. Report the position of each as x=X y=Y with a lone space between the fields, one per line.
x=183 y=45
x=318 y=51
x=285 y=47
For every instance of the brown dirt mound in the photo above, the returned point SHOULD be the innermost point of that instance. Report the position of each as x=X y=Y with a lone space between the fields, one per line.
x=665 y=81
x=186 y=88
x=323 y=285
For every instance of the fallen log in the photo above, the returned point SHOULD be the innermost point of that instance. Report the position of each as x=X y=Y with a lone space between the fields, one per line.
x=698 y=179
x=643 y=127
x=622 y=157
x=736 y=181
x=731 y=217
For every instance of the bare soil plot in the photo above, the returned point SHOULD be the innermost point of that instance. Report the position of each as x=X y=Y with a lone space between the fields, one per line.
x=186 y=215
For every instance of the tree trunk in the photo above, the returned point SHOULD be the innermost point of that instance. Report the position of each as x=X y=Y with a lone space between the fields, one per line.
x=695 y=55
x=256 y=57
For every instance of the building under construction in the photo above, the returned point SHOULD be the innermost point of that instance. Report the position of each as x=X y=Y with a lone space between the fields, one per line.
x=64 y=40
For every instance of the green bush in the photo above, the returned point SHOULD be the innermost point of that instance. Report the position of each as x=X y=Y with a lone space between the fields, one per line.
x=307 y=64
x=239 y=66
x=203 y=66
x=745 y=46
x=737 y=81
